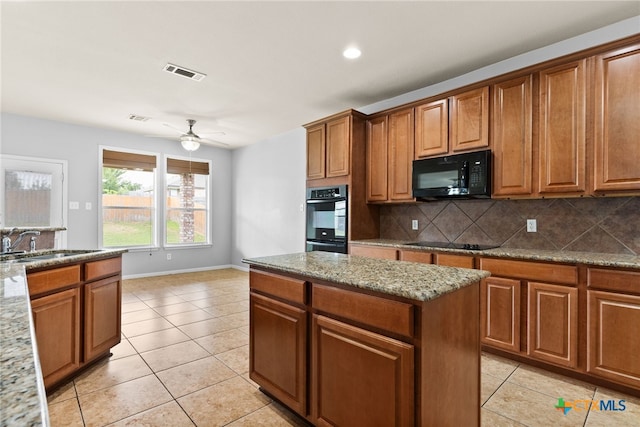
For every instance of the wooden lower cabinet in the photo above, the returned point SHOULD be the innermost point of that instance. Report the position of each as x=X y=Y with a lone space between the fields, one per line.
x=500 y=313
x=344 y=357
x=349 y=363
x=278 y=350
x=76 y=321
x=102 y=316
x=613 y=341
x=552 y=323
x=56 y=320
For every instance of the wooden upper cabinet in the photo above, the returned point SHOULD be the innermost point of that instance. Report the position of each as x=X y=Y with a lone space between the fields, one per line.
x=617 y=124
x=377 y=154
x=470 y=120
x=315 y=152
x=562 y=124
x=511 y=133
x=338 y=147
x=432 y=129
x=390 y=152
x=400 y=155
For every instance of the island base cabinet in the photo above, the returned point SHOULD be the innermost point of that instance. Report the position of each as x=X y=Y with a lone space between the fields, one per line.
x=278 y=350
x=56 y=321
x=349 y=363
x=613 y=347
x=102 y=313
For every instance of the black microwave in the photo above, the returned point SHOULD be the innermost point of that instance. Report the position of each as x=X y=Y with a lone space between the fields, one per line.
x=466 y=175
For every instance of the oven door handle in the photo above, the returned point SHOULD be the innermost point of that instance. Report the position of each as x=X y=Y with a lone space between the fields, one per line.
x=336 y=243
x=338 y=199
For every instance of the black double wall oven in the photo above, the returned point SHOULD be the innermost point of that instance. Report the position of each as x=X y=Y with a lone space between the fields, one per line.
x=327 y=214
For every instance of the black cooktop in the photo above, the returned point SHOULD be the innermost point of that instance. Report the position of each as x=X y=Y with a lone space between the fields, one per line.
x=451 y=245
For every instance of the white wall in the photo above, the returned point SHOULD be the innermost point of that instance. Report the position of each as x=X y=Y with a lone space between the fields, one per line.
x=27 y=136
x=268 y=190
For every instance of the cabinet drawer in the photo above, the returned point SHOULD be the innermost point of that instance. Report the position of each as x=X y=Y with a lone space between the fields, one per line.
x=279 y=286
x=374 y=252
x=462 y=261
x=392 y=316
x=534 y=271
x=416 y=256
x=102 y=268
x=50 y=280
x=615 y=280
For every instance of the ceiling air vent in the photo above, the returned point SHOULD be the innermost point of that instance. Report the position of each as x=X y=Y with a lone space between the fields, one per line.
x=184 y=72
x=137 y=118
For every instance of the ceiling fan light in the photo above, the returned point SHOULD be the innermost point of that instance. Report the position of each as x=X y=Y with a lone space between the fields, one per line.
x=189 y=143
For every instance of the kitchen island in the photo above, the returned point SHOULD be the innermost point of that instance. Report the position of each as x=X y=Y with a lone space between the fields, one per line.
x=346 y=340
x=22 y=386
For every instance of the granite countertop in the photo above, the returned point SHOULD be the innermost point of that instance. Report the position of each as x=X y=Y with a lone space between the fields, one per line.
x=52 y=257
x=587 y=258
x=422 y=282
x=22 y=396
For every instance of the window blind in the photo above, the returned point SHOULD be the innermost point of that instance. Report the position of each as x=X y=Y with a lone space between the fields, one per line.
x=118 y=159
x=186 y=166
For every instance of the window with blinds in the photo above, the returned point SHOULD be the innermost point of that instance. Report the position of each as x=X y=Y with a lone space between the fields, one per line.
x=187 y=202
x=128 y=199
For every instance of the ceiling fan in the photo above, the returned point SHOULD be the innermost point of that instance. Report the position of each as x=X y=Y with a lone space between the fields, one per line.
x=191 y=141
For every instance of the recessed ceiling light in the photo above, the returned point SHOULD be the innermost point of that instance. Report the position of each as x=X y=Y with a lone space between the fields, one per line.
x=352 y=53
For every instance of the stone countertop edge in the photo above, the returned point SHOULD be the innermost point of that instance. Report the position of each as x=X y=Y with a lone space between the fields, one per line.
x=88 y=256
x=587 y=258
x=4 y=230
x=22 y=396
x=415 y=281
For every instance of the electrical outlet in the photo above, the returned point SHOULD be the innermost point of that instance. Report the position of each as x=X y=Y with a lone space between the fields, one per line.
x=532 y=226
x=87 y=206
x=74 y=205
x=168 y=257
x=414 y=224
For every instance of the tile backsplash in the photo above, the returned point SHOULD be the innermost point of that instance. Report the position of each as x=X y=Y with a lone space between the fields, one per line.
x=608 y=225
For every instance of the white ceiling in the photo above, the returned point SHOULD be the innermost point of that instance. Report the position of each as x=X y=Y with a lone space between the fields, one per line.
x=270 y=66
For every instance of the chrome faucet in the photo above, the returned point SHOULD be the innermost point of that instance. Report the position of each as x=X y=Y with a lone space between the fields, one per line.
x=8 y=246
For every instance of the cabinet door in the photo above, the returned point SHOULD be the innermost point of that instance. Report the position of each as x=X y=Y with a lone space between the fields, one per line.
x=553 y=323
x=511 y=137
x=377 y=154
x=613 y=341
x=400 y=155
x=500 y=313
x=470 y=120
x=278 y=350
x=432 y=129
x=349 y=363
x=56 y=321
x=102 y=313
x=617 y=128
x=315 y=152
x=562 y=129
x=338 y=147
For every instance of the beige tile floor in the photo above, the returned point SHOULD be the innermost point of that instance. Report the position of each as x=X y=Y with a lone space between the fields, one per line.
x=183 y=361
